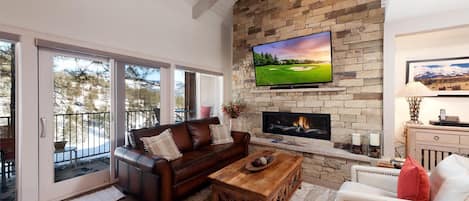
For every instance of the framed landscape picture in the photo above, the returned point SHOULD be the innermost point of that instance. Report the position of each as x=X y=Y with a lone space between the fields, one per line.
x=447 y=76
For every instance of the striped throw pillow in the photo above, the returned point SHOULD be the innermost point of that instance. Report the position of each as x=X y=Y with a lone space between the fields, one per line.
x=220 y=134
x=162 y=145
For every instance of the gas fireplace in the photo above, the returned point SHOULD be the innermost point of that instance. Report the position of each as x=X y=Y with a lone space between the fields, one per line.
x=309 y=125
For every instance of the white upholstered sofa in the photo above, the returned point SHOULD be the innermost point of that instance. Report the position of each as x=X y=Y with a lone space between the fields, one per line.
x=449 y=182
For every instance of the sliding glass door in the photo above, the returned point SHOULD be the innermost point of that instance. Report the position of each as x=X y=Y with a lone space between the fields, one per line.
x=209 y=96
x=88 y=103
x=184 y=92
x=75 y=123
x=7 y=122
x=142 y=97
x=197 y=95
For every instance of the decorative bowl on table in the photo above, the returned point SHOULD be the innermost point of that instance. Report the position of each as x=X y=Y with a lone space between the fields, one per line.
x=60 y=145
x=260 y=163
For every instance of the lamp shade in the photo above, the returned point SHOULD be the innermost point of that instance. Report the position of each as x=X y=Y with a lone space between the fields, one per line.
x=415 y=89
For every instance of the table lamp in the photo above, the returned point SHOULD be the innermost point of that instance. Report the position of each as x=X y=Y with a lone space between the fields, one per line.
x=414 y=91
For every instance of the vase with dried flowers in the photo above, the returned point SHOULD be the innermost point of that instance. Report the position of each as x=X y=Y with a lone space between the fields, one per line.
x=233 y=109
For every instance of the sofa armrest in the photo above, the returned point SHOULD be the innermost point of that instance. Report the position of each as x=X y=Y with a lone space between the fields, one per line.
x=383 y=178
x=148 y=164
x=241 y=137
x=142 y=160
x=357 y=196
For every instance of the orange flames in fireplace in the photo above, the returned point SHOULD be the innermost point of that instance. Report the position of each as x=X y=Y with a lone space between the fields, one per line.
x=302 y=122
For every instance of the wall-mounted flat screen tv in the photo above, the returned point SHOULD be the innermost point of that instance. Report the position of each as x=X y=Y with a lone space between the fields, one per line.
x=302 y=60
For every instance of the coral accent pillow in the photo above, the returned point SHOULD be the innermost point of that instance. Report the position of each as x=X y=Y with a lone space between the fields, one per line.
x=413 y=182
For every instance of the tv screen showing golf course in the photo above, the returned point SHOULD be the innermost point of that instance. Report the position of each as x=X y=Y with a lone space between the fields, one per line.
x=301 y=60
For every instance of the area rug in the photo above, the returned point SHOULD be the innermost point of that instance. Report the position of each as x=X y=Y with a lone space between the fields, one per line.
x=107 y=194
x=311 y=192
x=307 y=192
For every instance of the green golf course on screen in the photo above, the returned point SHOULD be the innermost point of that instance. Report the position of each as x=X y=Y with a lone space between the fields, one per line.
x=301 y=60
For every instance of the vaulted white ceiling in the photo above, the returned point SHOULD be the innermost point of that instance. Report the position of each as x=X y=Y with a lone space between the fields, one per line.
x=223 y=8
x=438 y=38
x=404 y=9
x=395 y=9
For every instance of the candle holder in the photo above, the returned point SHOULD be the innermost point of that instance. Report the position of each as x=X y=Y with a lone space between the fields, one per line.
x=357 y=147
x=374 y=151
x=374 y=146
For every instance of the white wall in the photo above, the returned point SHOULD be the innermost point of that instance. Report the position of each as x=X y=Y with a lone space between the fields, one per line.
x=405 y=9
x=392 y=76
x=227 y=73
x=155 y=28
x=437 y=44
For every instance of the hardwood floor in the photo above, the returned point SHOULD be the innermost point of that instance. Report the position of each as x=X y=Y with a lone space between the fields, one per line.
x=129 y=198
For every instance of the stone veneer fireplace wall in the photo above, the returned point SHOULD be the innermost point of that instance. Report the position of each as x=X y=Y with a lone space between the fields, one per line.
x=357 y=43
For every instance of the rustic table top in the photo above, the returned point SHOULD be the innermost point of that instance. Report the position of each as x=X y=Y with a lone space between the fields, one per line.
x=264 y=182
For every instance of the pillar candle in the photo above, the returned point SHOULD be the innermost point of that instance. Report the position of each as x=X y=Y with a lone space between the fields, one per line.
x=356 y=139
x=374 y=139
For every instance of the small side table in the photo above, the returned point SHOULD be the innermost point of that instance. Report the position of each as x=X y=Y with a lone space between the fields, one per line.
x=70 y=150
x=395 y=163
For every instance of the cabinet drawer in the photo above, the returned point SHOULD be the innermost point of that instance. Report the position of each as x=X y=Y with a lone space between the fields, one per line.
x=464 y=140
x=437 y=138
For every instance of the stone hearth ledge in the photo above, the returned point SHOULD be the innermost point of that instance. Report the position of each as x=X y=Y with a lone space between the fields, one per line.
x=322 y=89
x=314 y=147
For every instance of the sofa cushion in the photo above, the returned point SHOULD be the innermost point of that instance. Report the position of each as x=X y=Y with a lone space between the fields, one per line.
x=365 y=189
x=135 y=135
x=454 y=166
x=193 y=163
x=226 y=151
x=200 y=131
x=181 y=137
x=456 y=188
x=162 y=145
x=413 y=182
x=220 y=134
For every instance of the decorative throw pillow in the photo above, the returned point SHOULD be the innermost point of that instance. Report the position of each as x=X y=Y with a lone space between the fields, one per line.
x=455 y=188
x=449 y=175
x=162 y=145
x=220 y=134
x=413 y=182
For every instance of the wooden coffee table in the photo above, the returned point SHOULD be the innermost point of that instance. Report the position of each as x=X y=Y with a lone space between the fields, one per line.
x=277 y=182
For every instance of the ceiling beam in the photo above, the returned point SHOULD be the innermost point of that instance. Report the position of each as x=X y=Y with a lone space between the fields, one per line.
x=201 y=7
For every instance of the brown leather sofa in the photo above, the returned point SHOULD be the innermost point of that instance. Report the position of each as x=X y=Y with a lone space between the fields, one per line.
x=152 y=178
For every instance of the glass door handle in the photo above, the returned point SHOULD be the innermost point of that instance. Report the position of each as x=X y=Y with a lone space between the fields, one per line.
x=43 y=127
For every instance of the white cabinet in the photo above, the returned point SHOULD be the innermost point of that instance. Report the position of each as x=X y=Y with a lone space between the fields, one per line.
x=430 y=144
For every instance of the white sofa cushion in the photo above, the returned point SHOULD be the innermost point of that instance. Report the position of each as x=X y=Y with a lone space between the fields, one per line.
x=365 y=189
x=450 y=169
x=220 y=134
x=454 y=189
x=162 y=145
